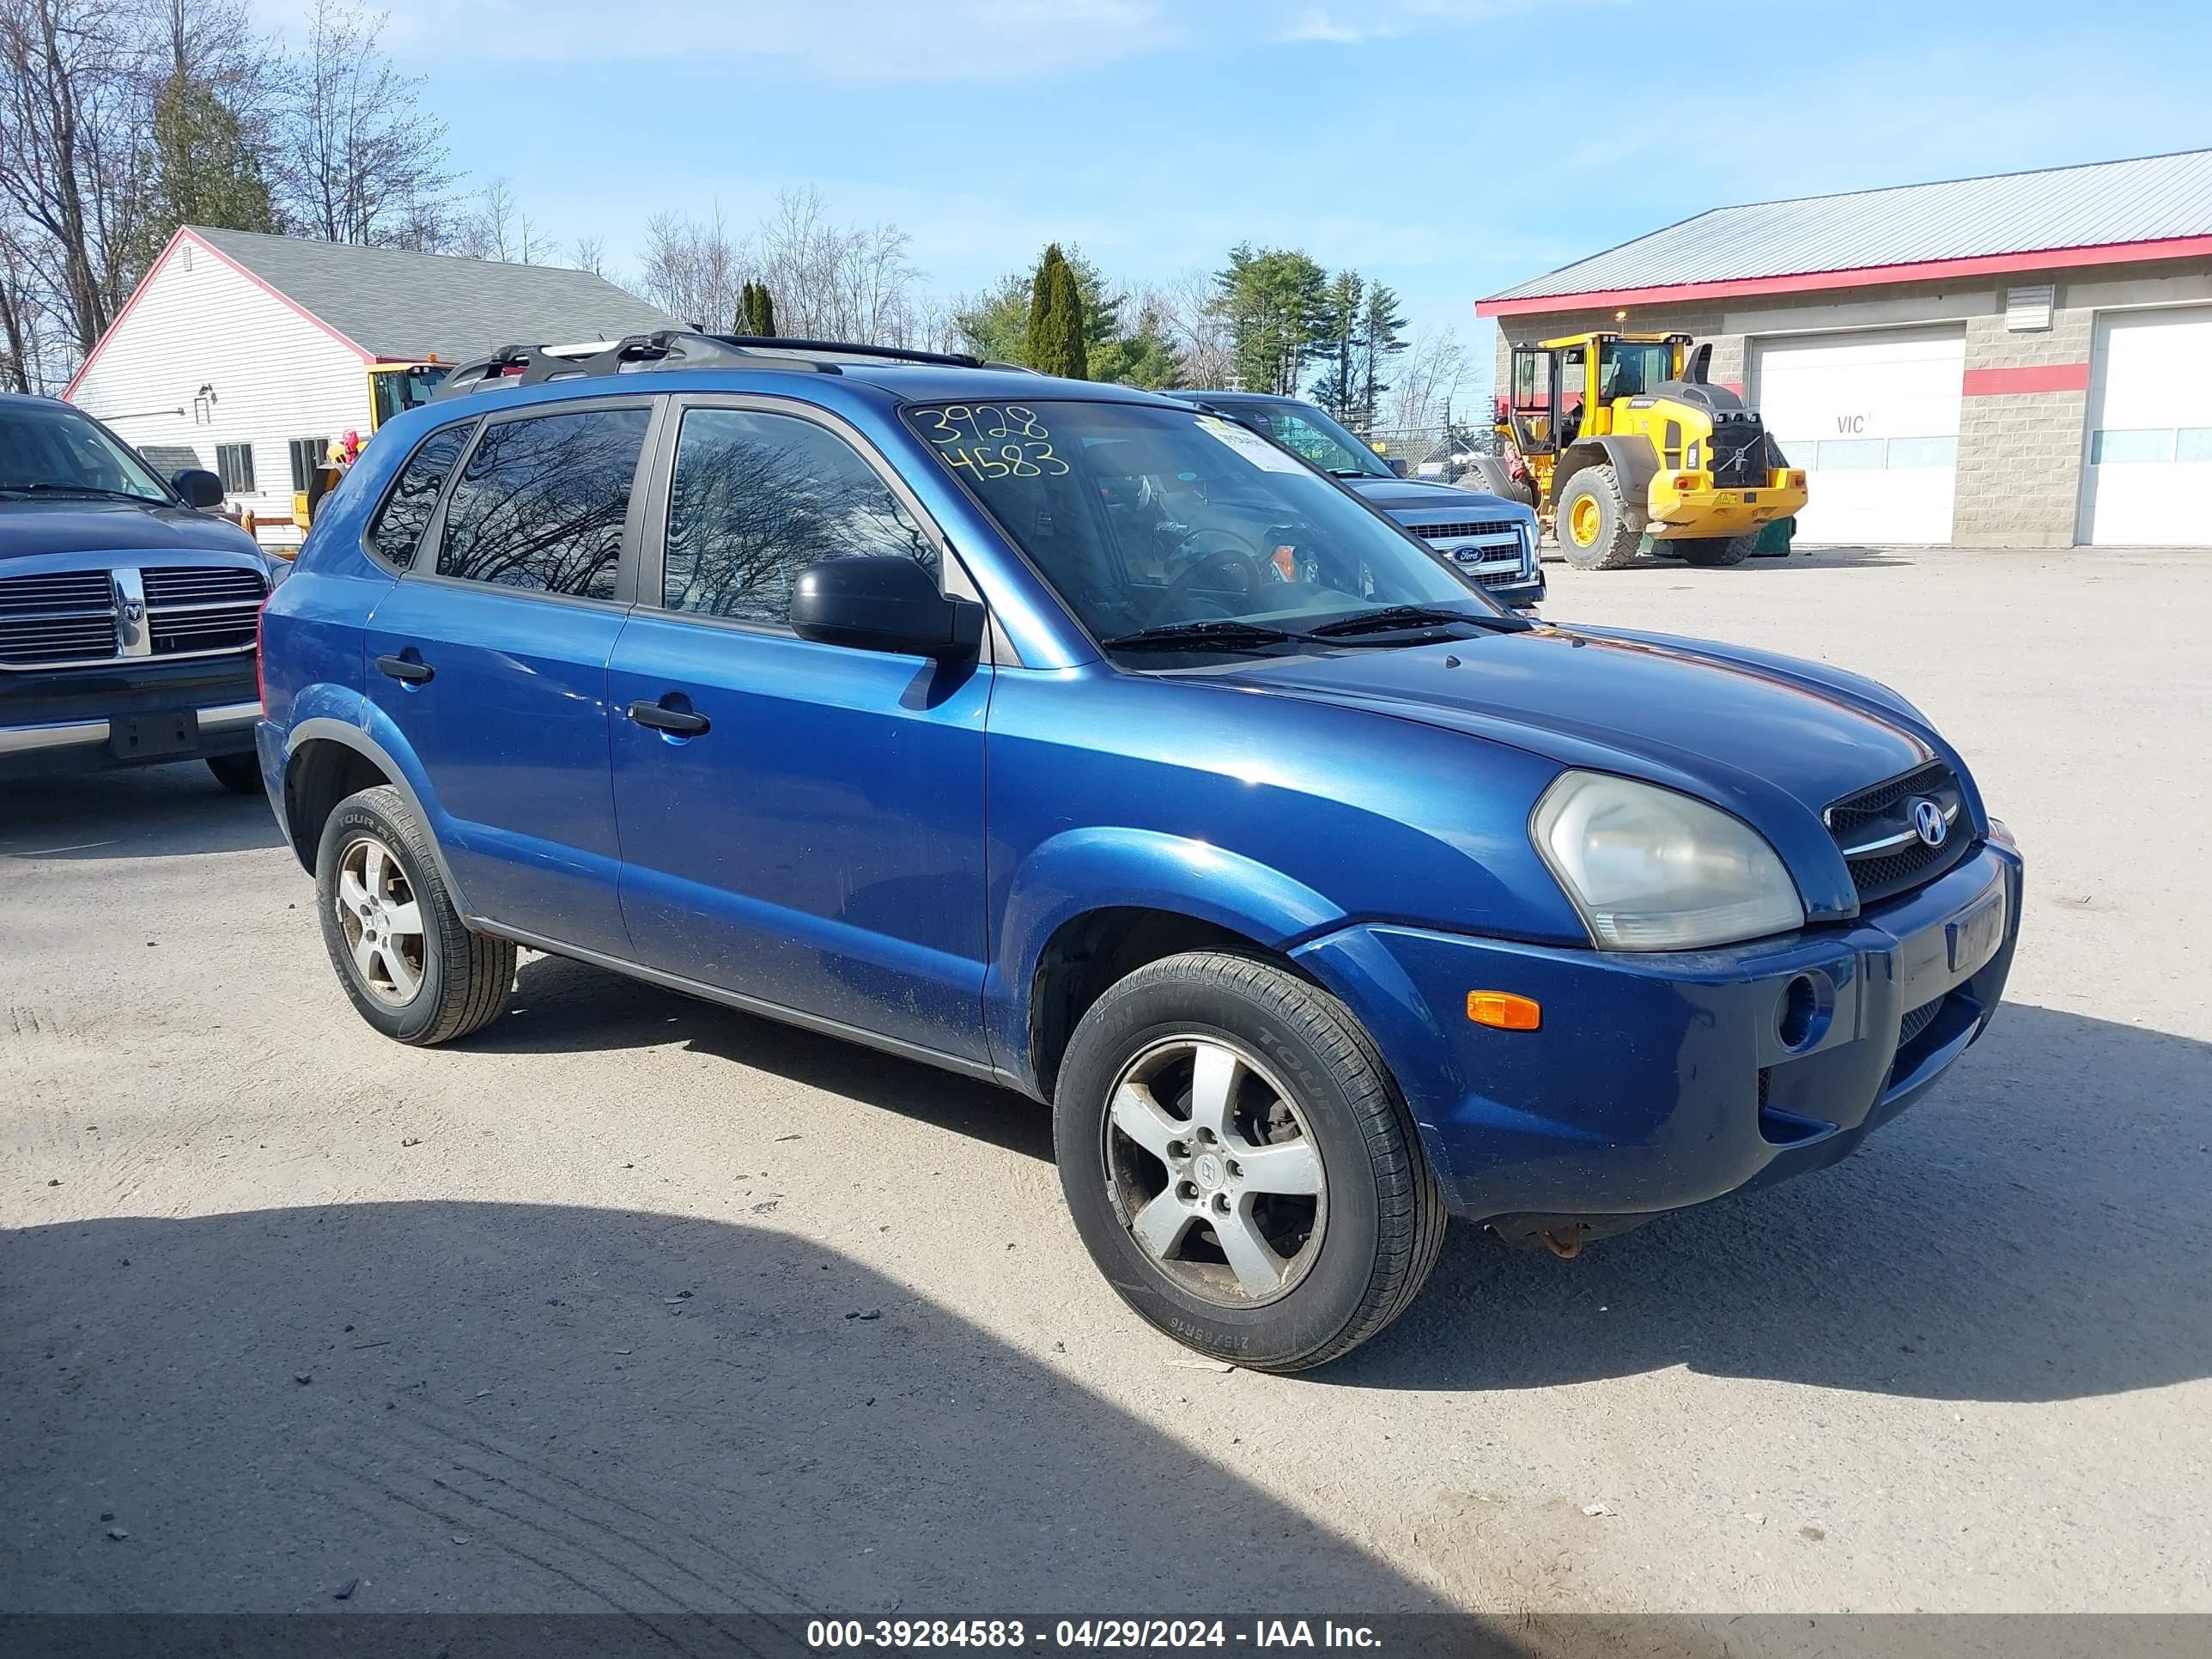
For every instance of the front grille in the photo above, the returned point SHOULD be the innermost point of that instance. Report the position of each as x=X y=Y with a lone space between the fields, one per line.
x=1918 y=1020
x=1875 y=815
x=1444 y=532
x=1739 y=459
x=63 y=615
x=206 y=628
x=1499 y=578
x=187 y=586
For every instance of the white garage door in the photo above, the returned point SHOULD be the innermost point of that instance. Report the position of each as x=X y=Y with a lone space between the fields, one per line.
x=1874 y=420
x=2150 y=430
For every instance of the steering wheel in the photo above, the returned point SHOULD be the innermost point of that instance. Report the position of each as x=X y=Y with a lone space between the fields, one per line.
x=1210 y=560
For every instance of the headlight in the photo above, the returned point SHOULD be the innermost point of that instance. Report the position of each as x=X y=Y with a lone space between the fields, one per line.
x=1528 y=543
x=1651 y=870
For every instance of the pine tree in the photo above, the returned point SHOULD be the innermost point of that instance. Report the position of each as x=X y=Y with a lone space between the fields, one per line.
x=1380 y=339
x=755 y=310
x=1337 y=389
x=1273 y=300
x=1055 y=342
x=200 y=166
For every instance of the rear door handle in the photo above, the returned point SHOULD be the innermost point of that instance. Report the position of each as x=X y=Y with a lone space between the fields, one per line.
x=401 y=668
x=667 y=719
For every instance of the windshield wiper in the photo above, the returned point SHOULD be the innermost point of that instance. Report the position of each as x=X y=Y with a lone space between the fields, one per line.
x=1217 y=633
x=97 y=491
x=1391 y=617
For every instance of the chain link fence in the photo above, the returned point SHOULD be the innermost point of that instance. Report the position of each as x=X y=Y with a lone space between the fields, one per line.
x=1443 y=453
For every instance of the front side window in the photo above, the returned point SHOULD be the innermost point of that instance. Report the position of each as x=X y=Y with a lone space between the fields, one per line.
x=541 y=502
x=406 y=512
x=1629 y=368
x=1316 y=436
x=1144 y=518
x=757 y=496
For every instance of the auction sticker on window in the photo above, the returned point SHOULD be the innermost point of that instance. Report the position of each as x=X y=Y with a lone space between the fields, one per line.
x=1250 y=445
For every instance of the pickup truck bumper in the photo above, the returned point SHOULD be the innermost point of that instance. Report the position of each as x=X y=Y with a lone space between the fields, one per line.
x=1659 y=1081
x=137 y=713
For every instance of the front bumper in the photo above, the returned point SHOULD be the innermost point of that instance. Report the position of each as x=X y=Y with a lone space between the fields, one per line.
x=83 y=721
x=1663 y=1080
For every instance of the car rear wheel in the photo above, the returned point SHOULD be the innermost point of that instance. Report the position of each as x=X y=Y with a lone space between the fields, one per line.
x=239 y=773
x=1240 y=1165
x=412 y=969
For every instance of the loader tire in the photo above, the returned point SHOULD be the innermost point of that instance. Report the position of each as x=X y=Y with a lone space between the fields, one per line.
x=1594 y=526
x=1714 y=551
x=1488 y=474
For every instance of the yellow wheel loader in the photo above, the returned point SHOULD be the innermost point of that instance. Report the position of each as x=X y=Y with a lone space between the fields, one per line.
x=1623 y=446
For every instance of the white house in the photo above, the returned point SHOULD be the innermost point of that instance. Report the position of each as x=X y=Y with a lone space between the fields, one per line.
x=247 y=355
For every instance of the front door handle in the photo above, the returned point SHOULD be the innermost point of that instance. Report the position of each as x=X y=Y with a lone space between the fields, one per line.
x=403 y=668
x=682 y=721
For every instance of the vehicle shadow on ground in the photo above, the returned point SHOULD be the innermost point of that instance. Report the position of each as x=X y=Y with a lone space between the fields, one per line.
x=1838 y=557
x=2035 y=1229
x=465 y=1406
x=560 y=1007
x=152 y=812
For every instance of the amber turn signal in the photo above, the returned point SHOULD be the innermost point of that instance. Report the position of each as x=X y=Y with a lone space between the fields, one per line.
x=1504 y=1010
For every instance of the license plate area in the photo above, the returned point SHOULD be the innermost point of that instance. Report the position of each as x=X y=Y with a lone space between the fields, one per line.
x=143 y=736
x=1973 y=938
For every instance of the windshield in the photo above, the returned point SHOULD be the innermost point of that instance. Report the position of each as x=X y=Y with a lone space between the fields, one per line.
x=1144 y=518
x=398 y=389
x=1310 y=432
x=1630 y=368
x=54 y=450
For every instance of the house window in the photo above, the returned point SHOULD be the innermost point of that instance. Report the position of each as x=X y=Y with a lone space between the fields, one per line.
x=234 y=464
x=307 y=456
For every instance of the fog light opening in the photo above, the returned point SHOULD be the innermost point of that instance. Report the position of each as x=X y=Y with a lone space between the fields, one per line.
x=1796 y=1013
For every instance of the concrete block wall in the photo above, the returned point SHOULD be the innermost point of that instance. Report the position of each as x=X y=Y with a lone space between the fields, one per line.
x=2023 y=414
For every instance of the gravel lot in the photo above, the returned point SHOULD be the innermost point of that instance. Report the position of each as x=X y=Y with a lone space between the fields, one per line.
x=635 y=1303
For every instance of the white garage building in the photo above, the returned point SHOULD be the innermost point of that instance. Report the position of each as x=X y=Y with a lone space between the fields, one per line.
x=2016 y=361
x=247 y=355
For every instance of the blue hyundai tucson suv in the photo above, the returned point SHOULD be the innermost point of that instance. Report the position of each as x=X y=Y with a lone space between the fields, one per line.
x=1090 y=743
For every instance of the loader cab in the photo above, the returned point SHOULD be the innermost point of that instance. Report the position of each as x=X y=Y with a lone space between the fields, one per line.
x=395 y=388
x=1550 y=405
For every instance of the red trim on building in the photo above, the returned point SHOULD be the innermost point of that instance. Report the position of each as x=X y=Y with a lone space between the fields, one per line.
x=2037 y=377
x=184 y=233
x=1811 y=281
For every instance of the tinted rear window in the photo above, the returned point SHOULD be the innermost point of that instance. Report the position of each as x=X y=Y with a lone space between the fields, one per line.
x=541 y=503
x=406 y=511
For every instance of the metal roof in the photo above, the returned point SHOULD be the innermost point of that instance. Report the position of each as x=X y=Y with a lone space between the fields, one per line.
x=2155 y=199
x=394 y=303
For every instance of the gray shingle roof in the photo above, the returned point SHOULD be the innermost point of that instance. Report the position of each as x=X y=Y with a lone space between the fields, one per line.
x=392 y=303
x=2152 y=199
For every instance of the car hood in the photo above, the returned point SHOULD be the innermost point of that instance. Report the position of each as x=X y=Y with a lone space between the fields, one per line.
x=1769 y=738
x=77 y=527
x=1395 y=495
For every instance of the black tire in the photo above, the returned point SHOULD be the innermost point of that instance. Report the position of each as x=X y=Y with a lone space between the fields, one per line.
x=1714 y=552
x=1614 y=537
x=239 y=773
x=462 y=978
x=1489 y=474
x=1384 y=1220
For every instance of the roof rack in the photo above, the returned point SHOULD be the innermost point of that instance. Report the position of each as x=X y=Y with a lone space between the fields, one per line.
x=672 y=347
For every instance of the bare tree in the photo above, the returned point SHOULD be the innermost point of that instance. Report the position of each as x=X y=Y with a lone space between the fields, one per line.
x=589 y=253
x=692 y=269
x=359 y=160
x=498 y=229
x=837 y=283
x=22 y=319
x=1188 y=314
x=1427 y=377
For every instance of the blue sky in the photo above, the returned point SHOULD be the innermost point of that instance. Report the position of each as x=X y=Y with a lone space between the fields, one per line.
x=1448 y=147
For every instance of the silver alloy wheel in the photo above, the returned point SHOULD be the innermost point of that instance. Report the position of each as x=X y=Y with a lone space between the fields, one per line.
x=1211 y=1166
x=382 y=922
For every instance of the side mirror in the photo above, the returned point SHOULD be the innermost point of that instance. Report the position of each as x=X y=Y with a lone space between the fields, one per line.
x=198 y=486
x=1396 y=464
x=884 y=604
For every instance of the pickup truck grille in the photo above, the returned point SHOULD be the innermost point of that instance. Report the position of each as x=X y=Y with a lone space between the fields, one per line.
x=81 y=619
x=1874 y=829
x=62 y=617
x=1444 y=532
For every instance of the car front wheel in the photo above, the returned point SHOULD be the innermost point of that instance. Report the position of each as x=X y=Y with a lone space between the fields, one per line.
x=412 y=969
x=1240 y=1165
